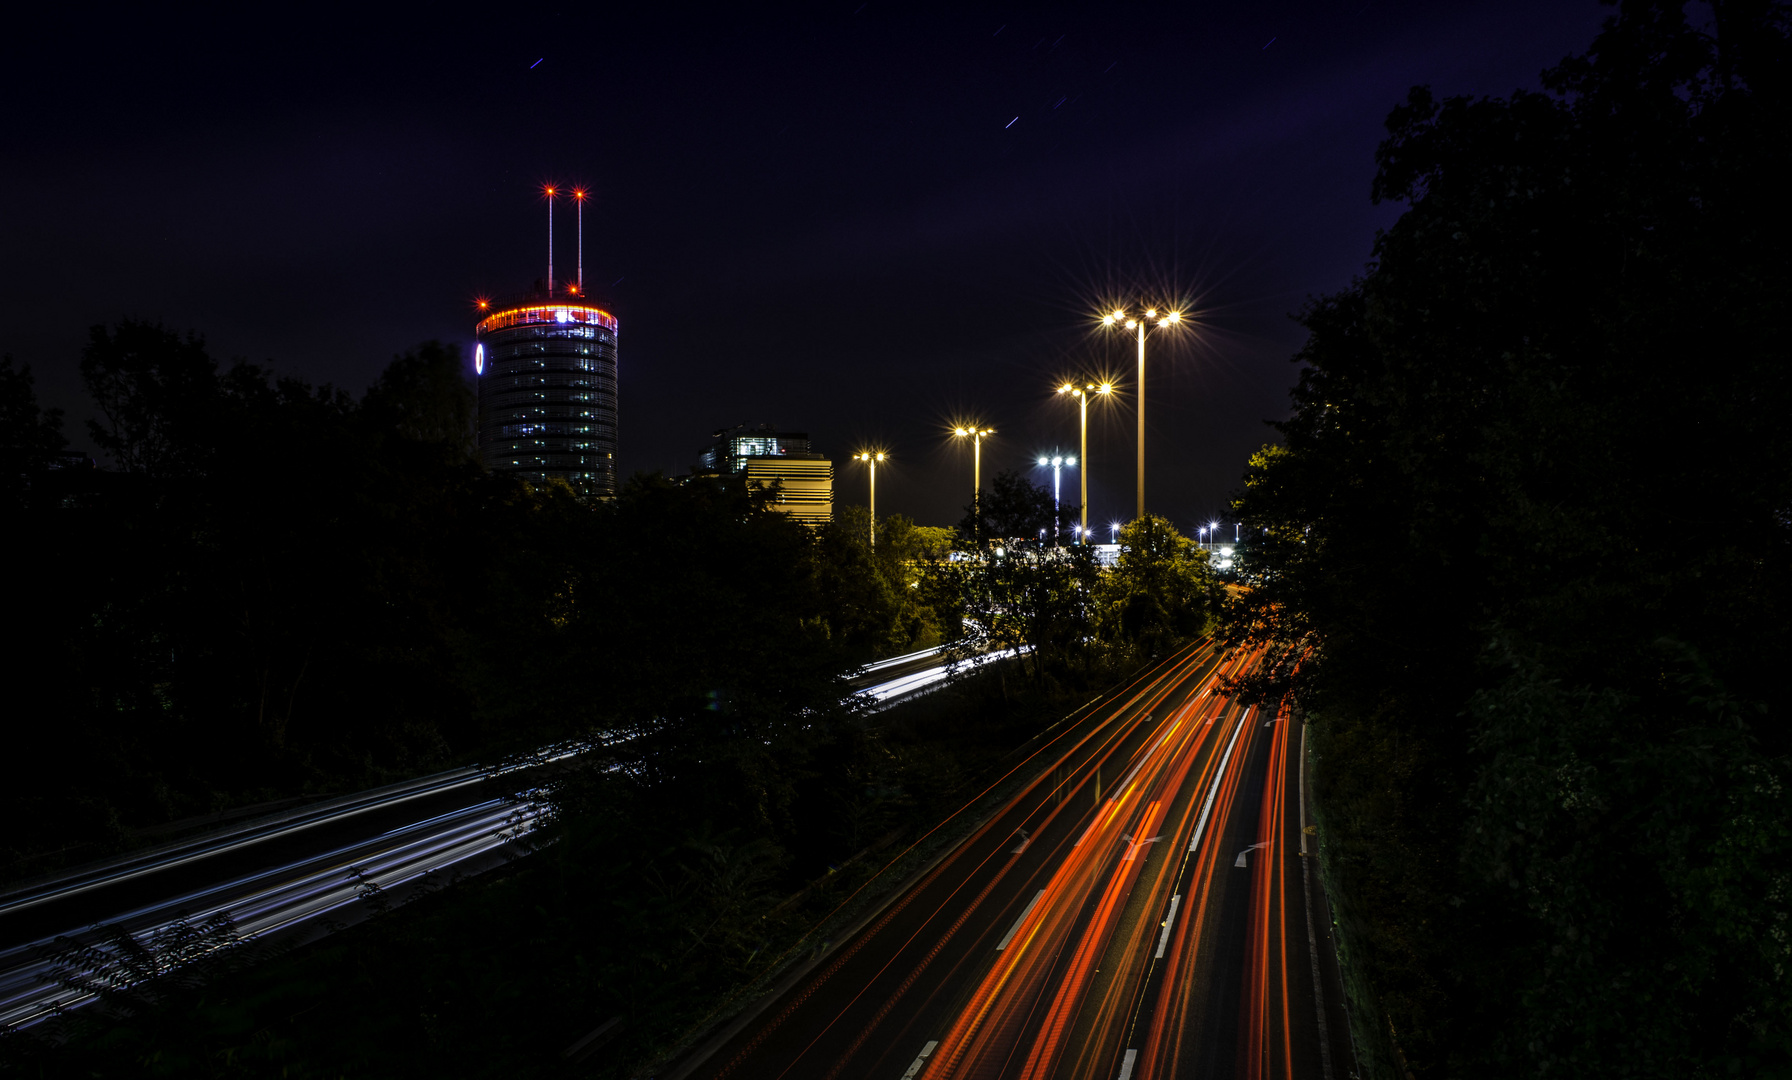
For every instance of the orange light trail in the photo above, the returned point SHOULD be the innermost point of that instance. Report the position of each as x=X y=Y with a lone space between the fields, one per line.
x=973 y=1044
x=1101 y=742
x=1118 y=917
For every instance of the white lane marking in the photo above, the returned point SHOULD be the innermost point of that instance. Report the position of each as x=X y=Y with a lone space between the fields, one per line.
x=1163 y=939
x=920 y=1061
x=1215 y=789
x=1247 y=851
x=1022 y=846
x=1274 y=720
x=1126 y=1065
x=1015 y=929
x=1134 y=846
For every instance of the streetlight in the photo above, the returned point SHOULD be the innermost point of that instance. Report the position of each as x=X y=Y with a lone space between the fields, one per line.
x=1213 y=536
x=1201 y=533
x=872 y=459
x=1114 y=532
x=1153 y=321
x=976 y=436
x=1082 y=399
x=1057 y=464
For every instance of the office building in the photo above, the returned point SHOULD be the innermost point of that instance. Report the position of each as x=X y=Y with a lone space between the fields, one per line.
x=766 y=456
x=546 y=368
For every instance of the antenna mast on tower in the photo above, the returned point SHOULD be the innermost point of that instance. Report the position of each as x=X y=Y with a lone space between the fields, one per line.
x=550 y=192
x=578 y=195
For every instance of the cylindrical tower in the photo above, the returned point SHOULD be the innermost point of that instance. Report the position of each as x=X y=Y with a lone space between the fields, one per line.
x=547 y=392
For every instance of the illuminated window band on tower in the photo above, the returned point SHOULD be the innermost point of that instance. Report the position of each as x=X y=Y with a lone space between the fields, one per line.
x=546 y=367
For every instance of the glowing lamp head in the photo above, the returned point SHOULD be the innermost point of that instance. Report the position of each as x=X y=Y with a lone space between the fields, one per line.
x=578 y=193
x=1119 y=314
x=1107 y=320
x=1174 y=316
x=1044 y=461
x=961 y=431
x=479 y=358
x=1067 y=389
x=1151 y=313
x=1105 y=388
x=549 y=190
x=1070 y=460
x=1132 y=324
x=879 y=457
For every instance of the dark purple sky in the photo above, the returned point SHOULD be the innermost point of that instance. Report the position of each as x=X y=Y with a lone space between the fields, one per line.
x=831 y=222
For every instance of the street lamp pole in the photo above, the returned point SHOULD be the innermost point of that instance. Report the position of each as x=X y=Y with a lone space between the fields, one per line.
x=1150 y=319
x=1141 y=499
x=1082 y=400
x=976 y=435
x=1057 y=463
x=872 y=459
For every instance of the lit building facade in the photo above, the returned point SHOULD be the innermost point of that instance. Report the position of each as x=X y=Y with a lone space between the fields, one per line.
x=766 y=456
x=547 y=392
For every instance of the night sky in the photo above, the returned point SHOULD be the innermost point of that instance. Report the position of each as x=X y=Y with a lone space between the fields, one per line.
x=864 y=222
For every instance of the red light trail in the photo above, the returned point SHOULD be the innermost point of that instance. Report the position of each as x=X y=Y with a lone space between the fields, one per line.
x=1138 y=929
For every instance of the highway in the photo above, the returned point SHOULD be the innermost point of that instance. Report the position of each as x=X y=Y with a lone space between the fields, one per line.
x=1139 y=908
x=282 y=874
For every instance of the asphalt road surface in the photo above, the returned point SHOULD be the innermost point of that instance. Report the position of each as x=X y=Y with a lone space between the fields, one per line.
x=1141 y=908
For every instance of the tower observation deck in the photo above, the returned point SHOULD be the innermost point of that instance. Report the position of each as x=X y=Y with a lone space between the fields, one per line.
x=546 y=367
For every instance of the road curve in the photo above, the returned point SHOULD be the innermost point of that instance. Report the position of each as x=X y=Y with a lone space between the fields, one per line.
x=282 y=873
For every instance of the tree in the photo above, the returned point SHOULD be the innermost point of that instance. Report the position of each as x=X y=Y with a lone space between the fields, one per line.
x=863 y=590
x=30 y=436
x=1161 y=588
x=1014 y=509
x=1009 y=588
x=156 y=392
x=424 y=396
x=1470 y=569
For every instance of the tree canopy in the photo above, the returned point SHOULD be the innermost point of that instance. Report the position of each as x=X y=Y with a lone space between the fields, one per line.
x=1523 y=557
